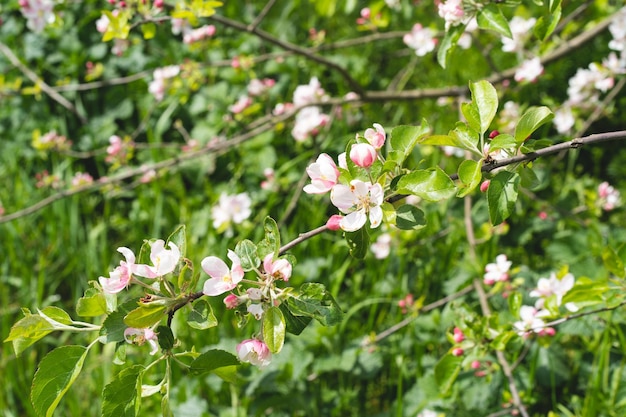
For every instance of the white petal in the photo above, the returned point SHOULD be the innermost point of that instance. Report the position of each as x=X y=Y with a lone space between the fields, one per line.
x=342 y=197
x=215 y=267
x=353 y=221
x=376 y=216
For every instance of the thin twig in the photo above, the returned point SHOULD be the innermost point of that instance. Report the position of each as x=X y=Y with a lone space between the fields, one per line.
x=257 y=21
x=41 y=83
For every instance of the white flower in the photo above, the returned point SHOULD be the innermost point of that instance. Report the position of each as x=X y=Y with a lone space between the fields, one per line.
x=421 y=39
x=382 y=246
x=235 y=208
x=498 y=271
x=564 y=119
x=529 y=322
x=358 y=201
x=521 y=30
x=307 y=123
x=530 y=70
x=308 y=93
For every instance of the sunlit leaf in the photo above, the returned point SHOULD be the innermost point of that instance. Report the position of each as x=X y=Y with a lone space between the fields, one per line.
x=274 y=329
x=502 y=195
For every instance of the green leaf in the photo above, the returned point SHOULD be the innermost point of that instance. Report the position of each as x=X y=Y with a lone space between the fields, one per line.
x=274 y=329
x=432 y=184
x=530 y=121
x=546 y=24
x=179 y=238
x=313 y=300
x=27 y=331
x=515 y=303
x=463 y=136
x=144 y=316
x=165 y=337
x=56 y=373
x=503 y=141
x=501 y=340
x=201 y=316
x=271 y=241
x=404 y=138
x=470 y=175
x=409 y=217
x=471 y=114
x=228 y=374
x=486 y=99
x=92 y=304
x=122 y=396
x=448 y=44
x=112 y=329
x=293 y=324
x=501 y=196
x=247 y=252
x=613 y=263
x=211 y=360
x=149 y=30
x=358 y=242
x=56 y=314
x=491 y=18
x=446 y=372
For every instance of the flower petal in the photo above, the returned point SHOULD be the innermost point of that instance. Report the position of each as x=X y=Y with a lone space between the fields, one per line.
x=353 y=221
x=215 y=267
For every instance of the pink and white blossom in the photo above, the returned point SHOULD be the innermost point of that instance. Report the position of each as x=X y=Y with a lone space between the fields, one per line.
x=231 y=208
x=255 y=352
x=553 y=286
x=377 y=136
x=309 y=93
x=452 y=12
x=521 y=29
x=564 y=119
x=358 y=201
x=199 y=34
x=141 y=336
x=256 y=310
x=222 y=278
x=308 y=122
x=242 y=103
x=278 y=269
x=38 y=13
x=158 y=85
x=529 y=71
x=363 y=154
x=497 y=271
x=81 y=179
x=382 y=246
x=609 y=196
x=422 y=40
x=529 y=322
x=258 y=87
x=231 y=301
x=121 y=276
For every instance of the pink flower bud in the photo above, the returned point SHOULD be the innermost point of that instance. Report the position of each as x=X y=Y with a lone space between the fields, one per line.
x=158 y=4
x=366 y=13
x=493 y=134
x=542 y=215
x=484 y=186
x=457 y=351
x=475 y=364
x=363 y=154
x=333 y=222
x=458 y=336
x=231 y=301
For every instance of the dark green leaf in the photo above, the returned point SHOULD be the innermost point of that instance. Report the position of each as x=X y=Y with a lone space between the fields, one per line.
x=409 y=217
x=165 y=337
x=502 y=195
x=448 y=44
x=358 y=242
x=112 y=329
x=294 y=324
x=56 y=373
x=313 y=300
x=122 y=396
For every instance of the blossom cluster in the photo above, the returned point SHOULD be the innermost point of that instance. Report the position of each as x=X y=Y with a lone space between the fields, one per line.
x=309 y=119
x=358 y=200
x=38 y=13
x=159 y=83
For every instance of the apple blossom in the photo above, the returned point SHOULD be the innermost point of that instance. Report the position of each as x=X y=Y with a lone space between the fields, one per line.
x=334 y=222
x=38 y=13
x=307 y=123
x=358 y=201
x=141 y=336
x=498 y=271
x=308 y=93
x=458 y=351
x=609 y=196
x=547 y=287
x=452 y=12
x=240 y=105
x=382 y=247
x=222 y=279
x=255 y=352
x=278 y=269
x=475 y=365
x=376 y=137
x=121 y=276
x=458 y=335
x=163 y=260
x=428 y=413
x=199 y=34
x=323 y=173
x=180 y=26
x=420 y=39
x=231 y=301
x=529 y=71
x=484 y=186
x=363 y=154
x=529 y=321
x=521 y=31
x=235 y=208
x=81 y=179
x=256 y=310
x=257 y=87
x=564 y=119
x=282 y=108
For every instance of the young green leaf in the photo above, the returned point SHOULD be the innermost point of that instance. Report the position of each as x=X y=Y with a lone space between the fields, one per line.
x=463 y=136
x=446 y=372
x=271 y=241
x=530 y=121
x=27 y=331
x=293 y=324
x=491 y=18
x=179 y=238
x=448 y=44
x=486 y=99
x=122 y=396
x=56 y=373
x=403 y=139
x=112 y=329
x=274 y=329
x=469 y=175
x=613 y=263
x=92 y=304
x=432 y=184
x=502 y=195
x=201 y=316
x=145 y=316
x=247 y=252
x=211 y=360
x=313 y=300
